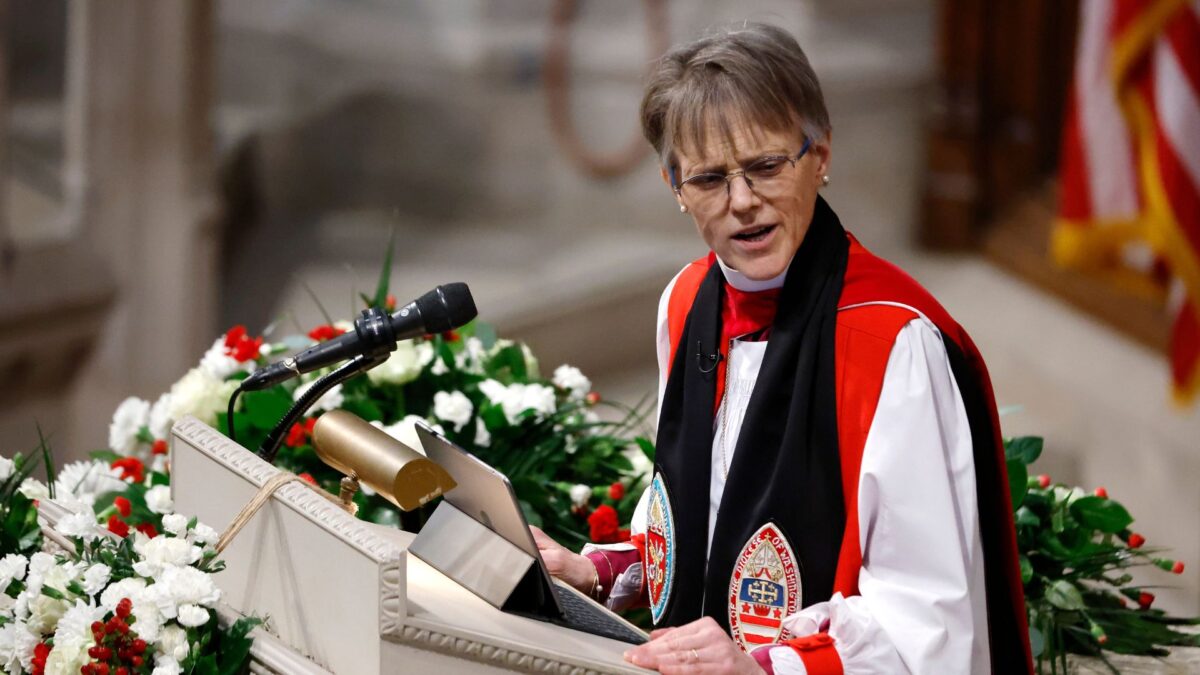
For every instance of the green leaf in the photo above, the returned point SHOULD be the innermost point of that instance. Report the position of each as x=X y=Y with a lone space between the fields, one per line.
x=1026 y=570
x=1018 y=477
x=1063 y=595
x=646 y=446
x=265 y=408
x=1101 y=514
x=385 y=272
x=1025 y=517
x=1025 y=449
x=1037 y=642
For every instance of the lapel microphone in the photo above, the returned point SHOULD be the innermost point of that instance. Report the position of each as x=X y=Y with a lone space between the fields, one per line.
x=713 y=360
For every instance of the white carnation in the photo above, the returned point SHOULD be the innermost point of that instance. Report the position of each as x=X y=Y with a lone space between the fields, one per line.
x=158 y=499
x=425 y=353
x=172 y=644
x=96 y=578
x=515 y=399
x=217 y=364
x=403 y=366
x=166 y=666
x=405 y=431
x=192 y=616
x=185 y=586
x=34 y=489
x=160 y=416
x=330 y=400
x=85 y=480
x=6 y=468
x=16 y=647
x=580 y=494
x=12 y=568
x=483 y=437
x=44 y=613
x=439 y=367
x=161 y=554
x=132 y=588
x=453 y=407
x=205 y=535
x=129 y=418
x=80 y=526
x=72 y=639
x=176 y=524
x=201 y=395
x=573 y=381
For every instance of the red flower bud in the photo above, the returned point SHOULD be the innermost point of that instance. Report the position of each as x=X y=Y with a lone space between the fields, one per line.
x=616 y=491
x=1103 y=639
x=159 y=447
x=326 y=332
x=1136 y=540
x=1145 y=600
x=101 y=669
x=451 y=336
x=97 y=627
x=118 y=526
x=307 y=478
x=390 y=302
x=147 y=529
x=592 y=398
x=124 y=608
x=136 y=661
x=121 y=670
x=1177 y=568
x=1044 y=481
x=124 y=506
x=1101 y=493
x=296 y=436
x=139 y=646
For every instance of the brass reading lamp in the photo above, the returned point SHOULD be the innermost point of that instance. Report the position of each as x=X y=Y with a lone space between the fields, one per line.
x=366 y=454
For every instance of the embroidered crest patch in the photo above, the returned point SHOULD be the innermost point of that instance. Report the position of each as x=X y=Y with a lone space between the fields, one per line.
x=660 y=548
x=765 y=589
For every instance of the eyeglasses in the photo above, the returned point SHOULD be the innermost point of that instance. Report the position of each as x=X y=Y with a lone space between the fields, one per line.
x=768 y=176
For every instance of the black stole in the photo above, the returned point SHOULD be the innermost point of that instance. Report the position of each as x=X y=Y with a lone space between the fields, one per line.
x=786 y=467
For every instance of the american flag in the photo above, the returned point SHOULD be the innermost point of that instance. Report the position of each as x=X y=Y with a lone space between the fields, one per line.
x=1130 y=168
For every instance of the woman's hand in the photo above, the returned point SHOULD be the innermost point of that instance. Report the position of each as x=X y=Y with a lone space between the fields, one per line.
x=698 y=647
x=572 y=568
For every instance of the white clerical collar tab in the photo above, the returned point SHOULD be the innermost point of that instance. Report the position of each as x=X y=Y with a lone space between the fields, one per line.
x=744 y=283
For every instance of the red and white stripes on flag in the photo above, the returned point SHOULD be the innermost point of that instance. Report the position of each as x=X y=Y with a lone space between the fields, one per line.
x=1130 y=168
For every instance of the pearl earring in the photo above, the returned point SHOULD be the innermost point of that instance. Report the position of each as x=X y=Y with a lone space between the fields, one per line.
x=825 y=179
x=683 y=208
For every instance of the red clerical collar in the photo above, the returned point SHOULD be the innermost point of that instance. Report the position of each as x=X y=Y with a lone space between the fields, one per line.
x=746 y=312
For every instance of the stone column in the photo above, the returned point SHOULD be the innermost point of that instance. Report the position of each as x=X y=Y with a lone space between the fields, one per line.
x=140 y=172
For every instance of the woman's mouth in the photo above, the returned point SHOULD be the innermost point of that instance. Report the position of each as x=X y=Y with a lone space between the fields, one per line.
x=756 y=234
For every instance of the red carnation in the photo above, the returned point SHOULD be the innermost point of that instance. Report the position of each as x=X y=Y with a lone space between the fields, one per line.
x=1043 y=481
x=592 y=398
x=159 y=447
x=390 y=303
x=131 y=469
x=300 y=433
x=616 y=491
x=1145 y=600
x=118 y=526
x=604 y=526
x=1136 y=540
x=124 y=507
x=234 y=335
x=451 y=336
x=147 y=529
x=307 y=478
x=325 y=332
x=1101 y=493
x=1177 y=568
x=41 y=652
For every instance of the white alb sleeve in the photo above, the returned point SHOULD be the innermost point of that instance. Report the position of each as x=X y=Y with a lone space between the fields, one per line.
x=921 y=607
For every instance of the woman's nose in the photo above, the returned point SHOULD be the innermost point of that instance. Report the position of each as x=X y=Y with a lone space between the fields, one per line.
x=742 y=196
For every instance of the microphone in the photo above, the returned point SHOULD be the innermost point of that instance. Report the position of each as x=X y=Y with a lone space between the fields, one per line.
x=375 y=333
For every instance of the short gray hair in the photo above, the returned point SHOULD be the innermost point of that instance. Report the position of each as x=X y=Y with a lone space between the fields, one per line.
x=753 y=74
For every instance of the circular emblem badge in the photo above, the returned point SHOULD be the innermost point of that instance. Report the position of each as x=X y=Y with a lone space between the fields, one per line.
x=764 y=590
x=659 y=557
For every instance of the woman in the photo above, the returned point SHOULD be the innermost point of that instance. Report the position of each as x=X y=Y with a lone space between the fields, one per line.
x=829 y=490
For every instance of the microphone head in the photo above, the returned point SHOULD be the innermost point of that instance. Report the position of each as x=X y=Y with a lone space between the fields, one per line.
x=446 y=307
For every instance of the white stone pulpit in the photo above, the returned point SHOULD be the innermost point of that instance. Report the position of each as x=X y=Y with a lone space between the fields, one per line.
x=343 y=595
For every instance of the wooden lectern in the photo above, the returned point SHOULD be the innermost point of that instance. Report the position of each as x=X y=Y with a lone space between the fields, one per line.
x=344 y=595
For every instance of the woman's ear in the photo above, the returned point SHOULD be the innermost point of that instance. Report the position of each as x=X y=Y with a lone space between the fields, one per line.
x=823 y=151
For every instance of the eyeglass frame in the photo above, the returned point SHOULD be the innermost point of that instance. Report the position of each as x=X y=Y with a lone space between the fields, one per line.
x=678 y=188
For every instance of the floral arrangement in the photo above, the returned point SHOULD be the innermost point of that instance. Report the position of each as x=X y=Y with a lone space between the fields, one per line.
x=484 y=393
x=141 y=602
x=1076 y=552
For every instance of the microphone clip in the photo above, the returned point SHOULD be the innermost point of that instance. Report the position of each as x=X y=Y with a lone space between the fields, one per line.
x=713 y=360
